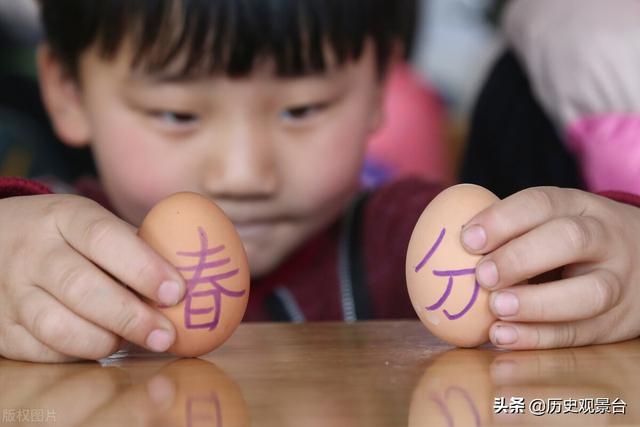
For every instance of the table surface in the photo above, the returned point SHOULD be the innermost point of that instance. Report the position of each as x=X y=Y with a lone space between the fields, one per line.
x=332 y=374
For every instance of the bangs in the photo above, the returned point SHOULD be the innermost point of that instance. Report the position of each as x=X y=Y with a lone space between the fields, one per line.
x=230 y=36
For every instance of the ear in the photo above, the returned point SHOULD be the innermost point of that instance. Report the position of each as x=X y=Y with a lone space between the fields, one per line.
x=61 y=96
x=378 y=113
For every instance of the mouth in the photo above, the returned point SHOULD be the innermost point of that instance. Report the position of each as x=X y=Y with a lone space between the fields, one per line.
x=252 y=229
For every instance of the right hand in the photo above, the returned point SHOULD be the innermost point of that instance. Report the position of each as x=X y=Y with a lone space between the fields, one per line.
x=66 y=264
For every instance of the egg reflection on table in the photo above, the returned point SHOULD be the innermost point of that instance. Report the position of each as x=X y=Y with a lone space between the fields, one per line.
x=194 y=235
x=440 y=273
x=554 y=387
x=204 y=396
x=455 y=390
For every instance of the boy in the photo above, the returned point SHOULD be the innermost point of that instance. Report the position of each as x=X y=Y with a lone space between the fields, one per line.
x=264 y=107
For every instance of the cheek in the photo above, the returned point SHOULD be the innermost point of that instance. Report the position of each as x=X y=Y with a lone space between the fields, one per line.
x=329 y=171
x=134 y=166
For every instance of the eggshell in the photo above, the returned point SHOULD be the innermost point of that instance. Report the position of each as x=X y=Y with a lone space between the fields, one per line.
x=195 y=235
x=441 y=273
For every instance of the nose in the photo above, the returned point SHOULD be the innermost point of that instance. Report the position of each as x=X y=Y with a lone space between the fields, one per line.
x=241 y=165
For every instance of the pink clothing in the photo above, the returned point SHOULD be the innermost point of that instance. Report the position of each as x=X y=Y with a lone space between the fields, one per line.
x=411 y=139
x=582 y=59
x=607 y=147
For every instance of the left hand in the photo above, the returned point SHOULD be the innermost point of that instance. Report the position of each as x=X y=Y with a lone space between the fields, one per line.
x=590 y=243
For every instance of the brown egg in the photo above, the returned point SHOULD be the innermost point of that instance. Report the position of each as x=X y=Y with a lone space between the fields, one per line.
x=194 y=235
x=441 y=273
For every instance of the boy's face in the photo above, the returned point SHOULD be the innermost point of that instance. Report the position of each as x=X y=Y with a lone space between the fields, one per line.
x=281 y=156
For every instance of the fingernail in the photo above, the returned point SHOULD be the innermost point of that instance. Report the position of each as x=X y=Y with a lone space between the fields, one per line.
x=169 y=292
x=505 y=335
x=474 y=237
x=159 y=340
x=161 y=391
x=505 y=304
x=487 y=273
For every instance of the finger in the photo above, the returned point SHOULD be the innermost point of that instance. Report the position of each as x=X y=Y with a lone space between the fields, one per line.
x=29 y=380
x=553 y=244
x=26 y=348
x=518 y=213
x=112 y=244
x=529 y=367
x=90 y=293
x=63 y=331
x=537 y=336
x=74 y=398
x=575 y=298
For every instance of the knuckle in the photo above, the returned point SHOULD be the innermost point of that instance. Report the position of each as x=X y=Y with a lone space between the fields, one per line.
x=537 y=341
x=3 y=339
x=514 y=259
x=132 y=320
x=148 y=273
x=565 y=336
x=50 y=324
x=61 y=204
x=104 y=348
x=578 y=233
x=18 y=246
x=96 y=233
x=74 y=288
x=56 y=204
x=536 y=307
x=605 y=292
x=542 y=199
x=493 y=216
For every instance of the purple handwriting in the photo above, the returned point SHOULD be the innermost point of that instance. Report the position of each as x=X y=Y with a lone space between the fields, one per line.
x=211 y=403
x=206 y=289
x=450 y=274
x=442 y=405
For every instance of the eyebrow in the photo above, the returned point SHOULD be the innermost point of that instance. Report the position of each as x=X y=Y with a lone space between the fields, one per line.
x=170 y=77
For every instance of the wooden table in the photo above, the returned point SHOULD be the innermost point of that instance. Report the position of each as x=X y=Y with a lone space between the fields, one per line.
x=331 y=374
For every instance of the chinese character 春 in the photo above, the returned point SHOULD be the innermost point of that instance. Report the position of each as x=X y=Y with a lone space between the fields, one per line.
x=204 y=410
x=203 y=288
x=450 y=274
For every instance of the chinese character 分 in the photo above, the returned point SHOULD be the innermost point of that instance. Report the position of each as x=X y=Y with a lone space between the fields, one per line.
x=450 y=274
x=444 y=408
x=206 y=288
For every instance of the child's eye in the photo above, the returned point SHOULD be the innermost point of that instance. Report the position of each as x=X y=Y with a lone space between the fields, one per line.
x=302 y=112
x=175 y=118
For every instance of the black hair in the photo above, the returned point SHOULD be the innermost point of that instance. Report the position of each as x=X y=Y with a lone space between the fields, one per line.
x=228 y=36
